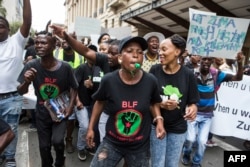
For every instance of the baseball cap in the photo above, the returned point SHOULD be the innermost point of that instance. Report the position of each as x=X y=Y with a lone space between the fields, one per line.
x=141 y=41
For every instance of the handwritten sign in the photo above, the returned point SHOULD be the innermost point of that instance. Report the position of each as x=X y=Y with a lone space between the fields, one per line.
x=232 y=110
x=216 y=36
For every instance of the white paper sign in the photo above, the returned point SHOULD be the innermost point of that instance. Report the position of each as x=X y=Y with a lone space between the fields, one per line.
x=86 y=26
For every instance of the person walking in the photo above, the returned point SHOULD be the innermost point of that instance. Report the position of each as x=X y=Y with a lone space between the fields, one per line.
x=128 y=126
x=178 y=102
x=11 y=63
x=198 y=129
x=89 y=77
x=50 y=77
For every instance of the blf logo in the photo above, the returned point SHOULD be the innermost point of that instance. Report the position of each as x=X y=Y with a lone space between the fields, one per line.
x=236 y=158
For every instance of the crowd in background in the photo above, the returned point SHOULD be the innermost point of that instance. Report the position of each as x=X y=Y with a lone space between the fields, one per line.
x=127 y=97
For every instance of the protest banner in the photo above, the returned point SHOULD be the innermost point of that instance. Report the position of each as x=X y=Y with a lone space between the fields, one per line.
x=232 y=110
x=216 y=36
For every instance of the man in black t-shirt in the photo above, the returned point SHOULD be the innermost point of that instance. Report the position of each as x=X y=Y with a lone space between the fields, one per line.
x=50 y=78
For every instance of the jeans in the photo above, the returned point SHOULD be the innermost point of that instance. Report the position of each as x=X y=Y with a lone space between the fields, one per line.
x=102 y=125
x=83 y=119
x=197 y=130
x=10 y=110
x=50 y=133
x=107 y=155
x=166 y=152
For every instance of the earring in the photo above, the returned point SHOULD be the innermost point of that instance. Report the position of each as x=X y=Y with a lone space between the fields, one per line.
x=119 y=61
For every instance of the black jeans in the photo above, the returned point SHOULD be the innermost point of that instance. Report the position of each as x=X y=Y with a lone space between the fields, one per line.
x=50 y=133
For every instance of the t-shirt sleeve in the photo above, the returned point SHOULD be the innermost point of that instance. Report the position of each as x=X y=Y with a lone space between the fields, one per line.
x=223 y=77
x=102 y=62
x=4 y=127
x=72 y=79
x=27 y=66
x=156 y=98
x=79 y=73
x=100 y=93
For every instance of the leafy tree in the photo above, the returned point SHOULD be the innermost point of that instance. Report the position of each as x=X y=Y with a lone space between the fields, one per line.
x=3 y=11
x=14 y=26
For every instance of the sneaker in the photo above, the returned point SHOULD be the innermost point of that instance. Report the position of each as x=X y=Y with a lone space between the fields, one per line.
x=91 y=150
x=82 y=155
x=185 y=160
x=211 y=143
x=32 y=128
x=69 y=146
x=195 y=165
x=10 y=163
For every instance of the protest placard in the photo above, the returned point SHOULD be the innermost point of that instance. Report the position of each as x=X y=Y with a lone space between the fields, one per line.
x=216 y=36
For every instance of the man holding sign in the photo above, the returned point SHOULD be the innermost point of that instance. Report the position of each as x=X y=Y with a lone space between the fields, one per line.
x=208 y=79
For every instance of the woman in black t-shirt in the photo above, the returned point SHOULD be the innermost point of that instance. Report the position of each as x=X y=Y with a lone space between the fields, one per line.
x=178 y=89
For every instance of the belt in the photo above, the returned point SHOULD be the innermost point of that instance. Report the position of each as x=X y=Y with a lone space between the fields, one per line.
x=8 y=95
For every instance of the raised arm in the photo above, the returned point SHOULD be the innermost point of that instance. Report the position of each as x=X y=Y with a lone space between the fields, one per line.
x=27 y=17
x=239 y=75
x=76 y=45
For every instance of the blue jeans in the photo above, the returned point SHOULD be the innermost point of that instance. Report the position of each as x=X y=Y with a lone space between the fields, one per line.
x=83 y=119
x=198 y=130
x=166 y=152
x=102 y=125
x=10 y=110
x=107 y=155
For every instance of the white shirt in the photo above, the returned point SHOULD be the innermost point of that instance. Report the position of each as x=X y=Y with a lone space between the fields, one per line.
x=11 y=61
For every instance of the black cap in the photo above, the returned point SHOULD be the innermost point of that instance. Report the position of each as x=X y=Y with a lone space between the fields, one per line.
x=141 y=41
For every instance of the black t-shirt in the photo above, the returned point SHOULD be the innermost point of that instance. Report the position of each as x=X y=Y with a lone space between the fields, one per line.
x=181 y=84
x=4 y=127
x=129 y=123
x=49 y=84
x=102 y=62
x=82 y=73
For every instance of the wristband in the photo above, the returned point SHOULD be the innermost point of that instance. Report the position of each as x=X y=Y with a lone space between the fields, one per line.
x=158 y=117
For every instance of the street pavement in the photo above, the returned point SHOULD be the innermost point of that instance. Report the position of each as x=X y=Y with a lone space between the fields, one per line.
x=28 y=150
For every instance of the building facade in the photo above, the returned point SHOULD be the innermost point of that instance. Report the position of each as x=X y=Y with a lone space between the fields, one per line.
x=108 y=11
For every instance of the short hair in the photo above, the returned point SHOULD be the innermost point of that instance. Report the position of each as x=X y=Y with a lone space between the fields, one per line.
x=47 y=34
x=5 y=20
x=100 y=38
x=92 y=47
